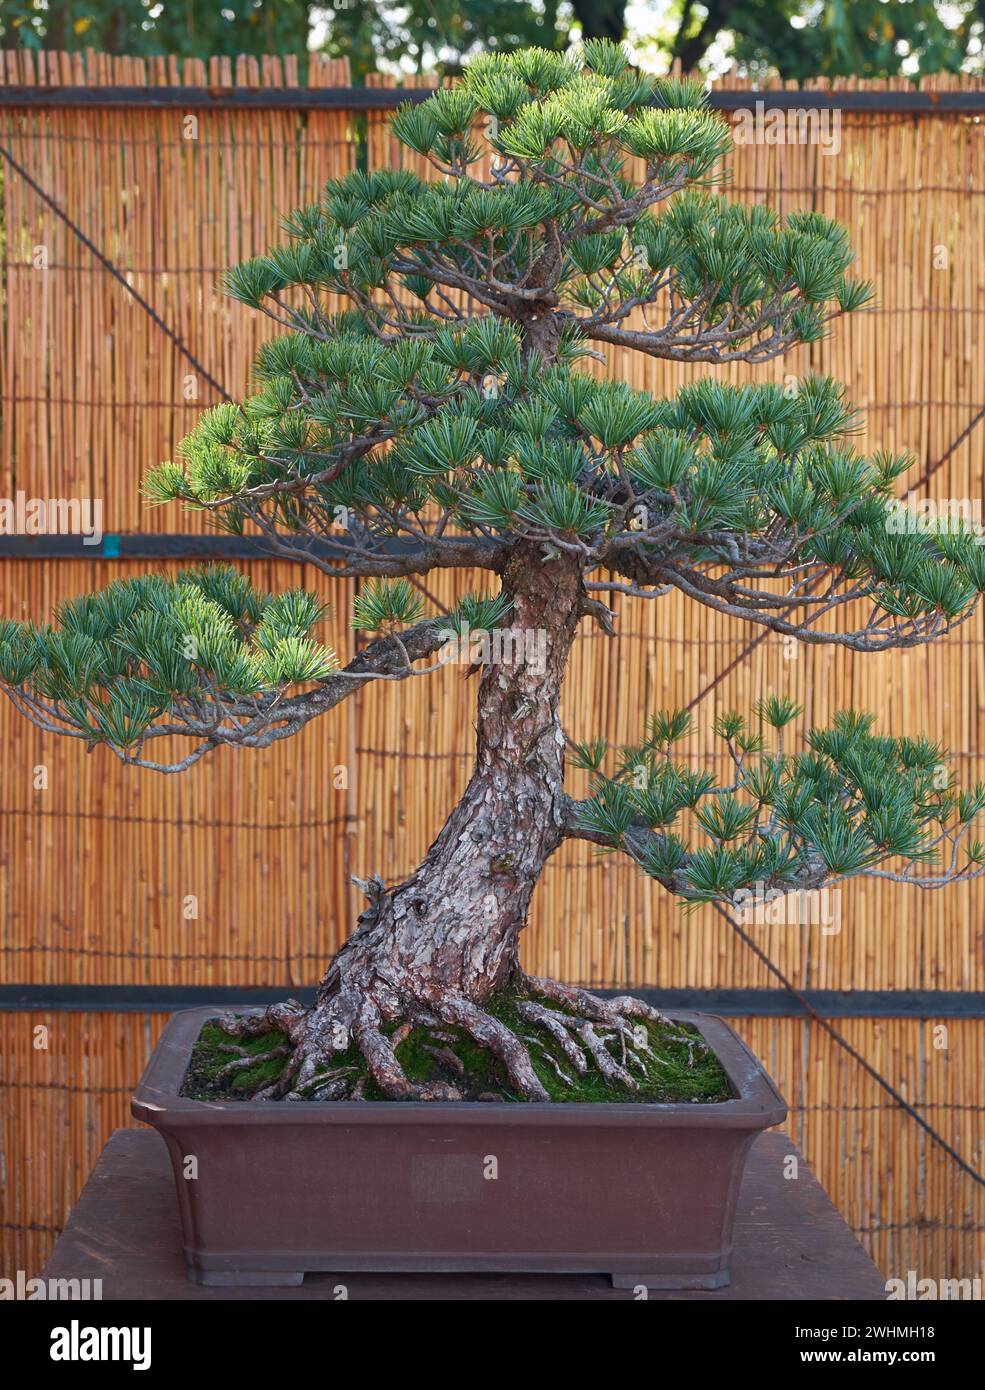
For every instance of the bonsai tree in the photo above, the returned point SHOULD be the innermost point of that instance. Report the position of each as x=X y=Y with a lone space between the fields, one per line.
x=438 y=419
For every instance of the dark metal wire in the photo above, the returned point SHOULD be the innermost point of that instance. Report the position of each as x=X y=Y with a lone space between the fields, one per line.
x=867 y=1067
x=108 y=265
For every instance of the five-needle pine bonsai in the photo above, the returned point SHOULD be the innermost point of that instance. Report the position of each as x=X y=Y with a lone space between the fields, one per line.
x=440 y=414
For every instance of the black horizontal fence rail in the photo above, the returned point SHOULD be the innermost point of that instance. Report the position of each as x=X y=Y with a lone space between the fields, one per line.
x=969 y=102
x=923 y=1004
x=181 y=546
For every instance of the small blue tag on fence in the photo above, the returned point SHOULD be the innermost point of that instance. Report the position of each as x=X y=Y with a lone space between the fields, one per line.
x=111 y=547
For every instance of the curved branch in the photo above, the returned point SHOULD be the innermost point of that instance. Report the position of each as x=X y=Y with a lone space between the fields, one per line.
x=639 y=838
x=388 y=558
x=699 y=346
x=753 y=606
x=261 y=721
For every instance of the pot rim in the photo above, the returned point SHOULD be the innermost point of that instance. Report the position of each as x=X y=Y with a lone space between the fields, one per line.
x=756 y=1103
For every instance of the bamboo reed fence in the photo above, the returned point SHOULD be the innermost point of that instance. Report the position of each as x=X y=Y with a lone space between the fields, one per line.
x=96 y=867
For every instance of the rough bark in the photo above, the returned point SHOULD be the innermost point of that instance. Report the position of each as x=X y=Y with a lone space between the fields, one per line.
x=541 y=328
x=454 y=923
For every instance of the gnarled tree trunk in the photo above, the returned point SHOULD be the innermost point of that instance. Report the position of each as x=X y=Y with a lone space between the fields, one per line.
x=442 y=942
x=452 y=927
x=439 y=944
x=434 y=949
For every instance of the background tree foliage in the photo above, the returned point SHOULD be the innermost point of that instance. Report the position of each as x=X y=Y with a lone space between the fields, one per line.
x=197 y=29
x=797 y=38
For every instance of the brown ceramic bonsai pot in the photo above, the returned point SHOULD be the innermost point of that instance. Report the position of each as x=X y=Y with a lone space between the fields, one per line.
x=645 y=1193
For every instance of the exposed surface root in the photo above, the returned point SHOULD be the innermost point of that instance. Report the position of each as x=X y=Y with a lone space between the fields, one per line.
x=557 y=1025
x=251 y=1059
x=615 y=1012
x=487 y=1030
x=541 y=1041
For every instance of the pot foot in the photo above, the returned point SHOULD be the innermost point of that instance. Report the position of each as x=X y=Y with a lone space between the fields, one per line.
x=717 y=1279
x=246 y=1278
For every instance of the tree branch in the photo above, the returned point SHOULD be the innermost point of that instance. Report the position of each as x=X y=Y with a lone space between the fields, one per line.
x=256 y=723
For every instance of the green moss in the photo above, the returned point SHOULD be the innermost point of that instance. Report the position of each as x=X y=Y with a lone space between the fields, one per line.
x=211 y=1053
x=672 y=1072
